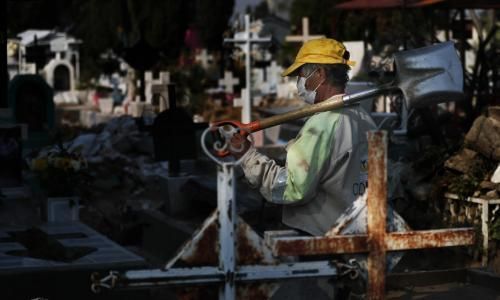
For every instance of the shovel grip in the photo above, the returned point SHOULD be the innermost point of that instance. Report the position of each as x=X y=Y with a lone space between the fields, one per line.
x=245 y=129
x=330 y=104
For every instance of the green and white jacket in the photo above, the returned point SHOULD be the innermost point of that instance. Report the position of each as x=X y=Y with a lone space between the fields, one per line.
x=326 y=169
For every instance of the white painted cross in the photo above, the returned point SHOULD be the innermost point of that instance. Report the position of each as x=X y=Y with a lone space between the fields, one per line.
x=157 y=87
x=258 y=82
x=305 y=33
x=229 y=82
x=204 y=58
x=258 y=137
x=238 y=102
x=244 y=41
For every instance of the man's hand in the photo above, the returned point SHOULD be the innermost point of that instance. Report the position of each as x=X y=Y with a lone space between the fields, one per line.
x=238 y=145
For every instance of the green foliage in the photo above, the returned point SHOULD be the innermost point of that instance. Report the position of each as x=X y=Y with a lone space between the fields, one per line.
x=464 y=186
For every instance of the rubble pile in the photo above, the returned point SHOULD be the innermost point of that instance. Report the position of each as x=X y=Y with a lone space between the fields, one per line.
x=121 y=176
x=463 y=167
x=474 y=165
x=474 y=171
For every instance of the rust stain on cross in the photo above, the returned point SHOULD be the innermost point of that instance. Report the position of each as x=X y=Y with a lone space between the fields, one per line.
x=377 y=241
x=376 y=204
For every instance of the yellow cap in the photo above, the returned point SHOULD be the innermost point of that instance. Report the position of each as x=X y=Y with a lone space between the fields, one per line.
x=319 y=51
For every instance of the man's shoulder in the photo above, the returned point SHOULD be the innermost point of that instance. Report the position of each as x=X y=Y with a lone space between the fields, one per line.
x=327 y=116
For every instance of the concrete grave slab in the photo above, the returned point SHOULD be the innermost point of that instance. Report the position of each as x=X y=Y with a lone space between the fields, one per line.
x=73 y=234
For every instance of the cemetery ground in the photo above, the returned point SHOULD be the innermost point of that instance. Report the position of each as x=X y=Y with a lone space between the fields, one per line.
x=131 y=199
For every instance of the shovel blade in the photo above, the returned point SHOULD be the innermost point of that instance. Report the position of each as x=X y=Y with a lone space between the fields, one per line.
x=429 y=75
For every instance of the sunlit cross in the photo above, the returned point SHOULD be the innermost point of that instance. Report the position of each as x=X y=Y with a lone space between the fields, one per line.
x=305 y=33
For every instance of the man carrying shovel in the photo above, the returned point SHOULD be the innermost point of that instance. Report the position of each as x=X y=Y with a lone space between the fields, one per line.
x=326 y=164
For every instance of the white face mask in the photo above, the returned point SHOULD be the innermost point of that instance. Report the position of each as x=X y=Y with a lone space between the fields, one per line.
x=304 y=94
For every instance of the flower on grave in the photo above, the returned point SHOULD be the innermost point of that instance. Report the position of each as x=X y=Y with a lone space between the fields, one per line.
x=58 y=171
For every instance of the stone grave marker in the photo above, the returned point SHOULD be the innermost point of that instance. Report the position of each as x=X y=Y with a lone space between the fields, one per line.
x=157 y=87
x=174 y=137
x=228 y=82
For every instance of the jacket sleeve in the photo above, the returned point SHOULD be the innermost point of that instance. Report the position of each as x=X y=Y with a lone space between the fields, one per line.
x=266 y=174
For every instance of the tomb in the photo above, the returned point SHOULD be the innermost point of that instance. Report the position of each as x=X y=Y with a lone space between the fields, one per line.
x=54 y=53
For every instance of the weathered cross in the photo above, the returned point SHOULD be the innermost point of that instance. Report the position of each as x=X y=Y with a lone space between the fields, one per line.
x=204 y=58
x=377 y=241
x=229 y=82
x=305 y=33
x=157 y=86
x=245 y=40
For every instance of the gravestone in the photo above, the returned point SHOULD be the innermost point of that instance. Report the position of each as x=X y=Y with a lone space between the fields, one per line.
x=157 y=87
x=31 y=102
x=174 y=137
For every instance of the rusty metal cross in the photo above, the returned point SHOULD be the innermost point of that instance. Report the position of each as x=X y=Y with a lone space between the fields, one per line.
x=377 y=241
